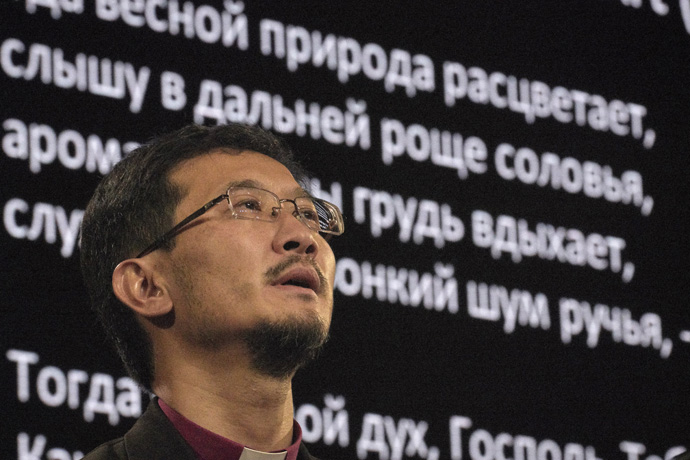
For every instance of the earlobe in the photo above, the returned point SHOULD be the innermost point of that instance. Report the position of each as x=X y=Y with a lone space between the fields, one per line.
x=136 y=284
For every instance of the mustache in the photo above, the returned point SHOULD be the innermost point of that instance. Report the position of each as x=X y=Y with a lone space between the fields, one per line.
x=293 y=259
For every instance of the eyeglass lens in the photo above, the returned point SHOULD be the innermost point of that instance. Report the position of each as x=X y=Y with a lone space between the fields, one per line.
x=254 y=203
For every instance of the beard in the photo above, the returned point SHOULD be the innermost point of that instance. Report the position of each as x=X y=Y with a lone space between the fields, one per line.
x=279 y=349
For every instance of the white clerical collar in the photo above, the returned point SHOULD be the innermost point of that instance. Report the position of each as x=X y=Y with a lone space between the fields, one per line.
x=251 y=454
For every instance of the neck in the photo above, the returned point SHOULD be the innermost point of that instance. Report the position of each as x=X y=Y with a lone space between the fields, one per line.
x=228 y=398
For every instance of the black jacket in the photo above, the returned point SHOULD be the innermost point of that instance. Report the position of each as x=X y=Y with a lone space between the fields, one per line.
x=153 y=437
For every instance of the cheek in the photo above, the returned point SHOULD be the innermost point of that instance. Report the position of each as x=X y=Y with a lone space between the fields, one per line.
x=221 y=269
x=328 y=263
x=212 y=297
x=216 y=249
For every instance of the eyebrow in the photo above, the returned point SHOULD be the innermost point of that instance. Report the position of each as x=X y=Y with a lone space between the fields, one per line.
x=298 y=191
x=244 y=183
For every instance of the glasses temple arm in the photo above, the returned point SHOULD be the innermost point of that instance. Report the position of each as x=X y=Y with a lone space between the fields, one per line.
x=173 y=231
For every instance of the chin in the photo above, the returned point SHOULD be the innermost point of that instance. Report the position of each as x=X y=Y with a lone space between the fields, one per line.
x=303 y=306
x=280 y=347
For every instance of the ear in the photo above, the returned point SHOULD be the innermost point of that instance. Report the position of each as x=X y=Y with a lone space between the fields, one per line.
x=137 y=285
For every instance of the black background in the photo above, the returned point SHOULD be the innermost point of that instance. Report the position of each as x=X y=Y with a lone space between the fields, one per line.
x=385 y=358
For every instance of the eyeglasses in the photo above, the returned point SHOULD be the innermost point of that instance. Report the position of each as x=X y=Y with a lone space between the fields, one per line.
x=252 y=203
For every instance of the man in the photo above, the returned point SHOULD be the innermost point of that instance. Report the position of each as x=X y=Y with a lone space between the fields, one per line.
x=207 y=263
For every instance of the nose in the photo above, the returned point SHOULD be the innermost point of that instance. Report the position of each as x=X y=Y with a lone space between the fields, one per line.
x=293 y=235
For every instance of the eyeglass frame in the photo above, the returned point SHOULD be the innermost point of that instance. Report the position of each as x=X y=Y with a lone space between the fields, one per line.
x=158 y=242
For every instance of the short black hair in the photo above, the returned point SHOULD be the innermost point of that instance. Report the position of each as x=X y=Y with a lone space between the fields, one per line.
x=135 y=204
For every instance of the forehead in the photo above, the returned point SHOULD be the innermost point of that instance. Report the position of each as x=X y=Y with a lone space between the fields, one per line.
x=208 y=175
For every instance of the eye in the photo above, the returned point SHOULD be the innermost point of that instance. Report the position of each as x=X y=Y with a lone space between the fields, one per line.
x=248 y=205
x=309 y=214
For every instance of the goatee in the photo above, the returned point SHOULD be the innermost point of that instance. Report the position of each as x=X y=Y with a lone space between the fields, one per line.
x=278 y=350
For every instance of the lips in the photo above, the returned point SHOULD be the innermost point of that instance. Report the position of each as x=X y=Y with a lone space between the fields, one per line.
x=304 y=277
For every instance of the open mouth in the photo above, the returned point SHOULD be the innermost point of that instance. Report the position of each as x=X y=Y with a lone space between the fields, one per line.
x=303 y=277
x=300 y=283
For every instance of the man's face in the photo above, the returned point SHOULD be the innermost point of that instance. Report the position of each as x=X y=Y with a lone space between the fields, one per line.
x=227 y=275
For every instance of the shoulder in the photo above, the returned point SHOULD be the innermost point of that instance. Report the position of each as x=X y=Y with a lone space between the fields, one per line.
x=152 y=437
x=114 y=449
x=303 y=453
